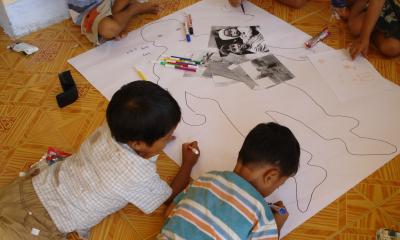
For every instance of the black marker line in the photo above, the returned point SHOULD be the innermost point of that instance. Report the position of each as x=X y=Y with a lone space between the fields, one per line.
x=356 y=125
x=219 y=106
x=202 y=115
x=305 y=92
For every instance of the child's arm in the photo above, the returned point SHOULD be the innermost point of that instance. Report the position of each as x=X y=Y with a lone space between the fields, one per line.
x=280 y=219
x=361 y=44
x=169 y=210
x=235 y=3
x=181 y=180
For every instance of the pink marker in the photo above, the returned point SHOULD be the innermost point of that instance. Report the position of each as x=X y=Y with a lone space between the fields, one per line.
x=318 y=38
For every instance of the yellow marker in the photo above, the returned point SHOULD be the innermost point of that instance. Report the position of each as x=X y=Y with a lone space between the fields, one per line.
x=140 y=73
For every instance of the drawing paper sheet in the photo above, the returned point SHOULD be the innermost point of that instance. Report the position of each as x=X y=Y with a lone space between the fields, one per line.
x=349 y=79
x=342 y=141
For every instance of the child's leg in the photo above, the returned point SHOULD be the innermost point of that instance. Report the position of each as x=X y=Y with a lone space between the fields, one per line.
x=119 y=5
x=357 y=15
x=112 y=26
x=22 y=215
x=388 y=46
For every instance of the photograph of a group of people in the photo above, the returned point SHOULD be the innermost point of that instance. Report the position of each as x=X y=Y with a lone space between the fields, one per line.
x=231 y=59
x=239 y=40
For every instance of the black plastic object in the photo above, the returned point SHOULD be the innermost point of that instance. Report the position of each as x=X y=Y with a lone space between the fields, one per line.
x=70 y=93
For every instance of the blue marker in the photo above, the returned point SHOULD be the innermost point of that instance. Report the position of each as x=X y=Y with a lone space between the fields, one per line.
x=185 y=26
x=280 y=210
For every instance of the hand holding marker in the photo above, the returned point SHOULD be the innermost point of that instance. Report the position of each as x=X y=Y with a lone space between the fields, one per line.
x=278 y=209
x=194 y=150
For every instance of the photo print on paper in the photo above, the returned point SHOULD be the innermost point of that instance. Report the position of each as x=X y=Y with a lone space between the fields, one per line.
x=238 y=40
x=267 y=71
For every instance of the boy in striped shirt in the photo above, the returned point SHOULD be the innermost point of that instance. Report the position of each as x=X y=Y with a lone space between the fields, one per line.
x=231 y=205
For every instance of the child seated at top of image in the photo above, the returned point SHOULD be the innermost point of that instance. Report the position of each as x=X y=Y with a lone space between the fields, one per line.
x=379 y=21
x=106 y=19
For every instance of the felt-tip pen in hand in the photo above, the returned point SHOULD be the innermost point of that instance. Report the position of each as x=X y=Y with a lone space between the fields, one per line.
x=280 y=210
x=194 y=150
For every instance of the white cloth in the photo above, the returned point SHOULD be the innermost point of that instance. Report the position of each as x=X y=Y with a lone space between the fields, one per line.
x=100 y=179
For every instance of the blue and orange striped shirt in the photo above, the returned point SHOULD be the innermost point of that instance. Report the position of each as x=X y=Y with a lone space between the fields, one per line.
x=220 y=205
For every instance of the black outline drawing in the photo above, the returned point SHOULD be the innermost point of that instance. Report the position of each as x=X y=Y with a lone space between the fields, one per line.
x=268 y=112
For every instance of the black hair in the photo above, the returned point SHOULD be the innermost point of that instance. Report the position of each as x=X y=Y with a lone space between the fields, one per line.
x=142 y=111
x=271 y=143
x=254 y=30
x=225 y=49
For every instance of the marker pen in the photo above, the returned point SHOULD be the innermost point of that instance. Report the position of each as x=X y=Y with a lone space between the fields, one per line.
x=185 y=27
x=280 y=210
x=194 y=150
x=190 y=24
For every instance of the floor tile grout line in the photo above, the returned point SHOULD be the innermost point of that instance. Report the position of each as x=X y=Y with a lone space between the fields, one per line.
x=306 y=16
x=75 y=38
x=363 y=215
x=128 y=222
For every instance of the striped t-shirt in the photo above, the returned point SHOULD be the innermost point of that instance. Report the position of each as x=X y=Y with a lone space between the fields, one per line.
x=220 y=205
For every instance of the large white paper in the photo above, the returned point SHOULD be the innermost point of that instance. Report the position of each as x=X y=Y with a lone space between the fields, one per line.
x=342 y=142
x=348 y=78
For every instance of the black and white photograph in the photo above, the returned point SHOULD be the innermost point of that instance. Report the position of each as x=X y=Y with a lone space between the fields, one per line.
x=237 y=40
x=267 y=71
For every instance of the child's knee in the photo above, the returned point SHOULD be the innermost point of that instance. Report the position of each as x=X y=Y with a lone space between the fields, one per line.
x=109 y=29
x=389 y=47
x=354 y=25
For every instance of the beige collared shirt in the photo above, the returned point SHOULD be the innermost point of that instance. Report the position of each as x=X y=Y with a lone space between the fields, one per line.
x=100 y=179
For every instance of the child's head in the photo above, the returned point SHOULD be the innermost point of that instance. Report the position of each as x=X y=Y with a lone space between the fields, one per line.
x=144 y=116
x=270 y=154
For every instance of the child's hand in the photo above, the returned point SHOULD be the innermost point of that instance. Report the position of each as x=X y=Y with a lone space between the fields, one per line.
x=190 y=154
x=360 y=45
x=280 y=219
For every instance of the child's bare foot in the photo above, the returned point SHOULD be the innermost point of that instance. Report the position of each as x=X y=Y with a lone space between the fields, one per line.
x=343 y=13
x=141 y=8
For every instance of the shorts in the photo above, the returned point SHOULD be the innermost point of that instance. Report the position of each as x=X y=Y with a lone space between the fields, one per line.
x=91 y=20
x=22 y=215
x=389 y=20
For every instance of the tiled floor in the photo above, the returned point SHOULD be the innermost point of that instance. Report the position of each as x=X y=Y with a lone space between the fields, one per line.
x=30 y=121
